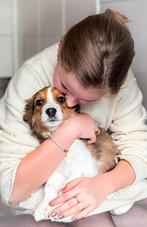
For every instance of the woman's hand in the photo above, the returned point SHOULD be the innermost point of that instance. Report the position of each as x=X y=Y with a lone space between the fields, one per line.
x=80 y=197
x=83 y=126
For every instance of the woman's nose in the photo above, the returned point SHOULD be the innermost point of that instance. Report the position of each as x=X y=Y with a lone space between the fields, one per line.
x=71 y=100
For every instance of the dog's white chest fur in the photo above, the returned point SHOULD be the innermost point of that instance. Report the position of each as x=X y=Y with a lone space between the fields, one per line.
x=79 y=157
x=77 y=163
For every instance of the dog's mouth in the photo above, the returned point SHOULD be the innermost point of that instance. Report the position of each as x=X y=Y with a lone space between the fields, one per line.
x=51 y=121
x=54 y=119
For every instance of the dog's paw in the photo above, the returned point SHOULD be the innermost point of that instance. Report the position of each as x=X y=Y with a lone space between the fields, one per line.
x=38 y=216
x=42 y=214
x=64 y=219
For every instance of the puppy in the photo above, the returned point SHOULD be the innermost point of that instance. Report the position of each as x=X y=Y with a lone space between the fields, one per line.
x=44 y=112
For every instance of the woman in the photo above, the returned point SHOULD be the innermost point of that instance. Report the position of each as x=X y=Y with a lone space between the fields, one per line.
x=91 y=67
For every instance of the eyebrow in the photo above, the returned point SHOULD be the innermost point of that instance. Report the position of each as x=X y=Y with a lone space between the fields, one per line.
x=88 y=100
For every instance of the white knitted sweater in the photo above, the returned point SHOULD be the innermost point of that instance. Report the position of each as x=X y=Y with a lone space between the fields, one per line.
x=122 y=114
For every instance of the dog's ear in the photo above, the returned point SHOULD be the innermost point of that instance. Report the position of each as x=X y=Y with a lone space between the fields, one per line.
x=28 y=111
x=77 y=108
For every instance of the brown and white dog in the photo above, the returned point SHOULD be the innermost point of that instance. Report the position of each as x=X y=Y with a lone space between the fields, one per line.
x=44 y=112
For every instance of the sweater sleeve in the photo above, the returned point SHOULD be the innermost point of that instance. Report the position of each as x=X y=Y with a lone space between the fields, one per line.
x=15 y=137
x=129 y=128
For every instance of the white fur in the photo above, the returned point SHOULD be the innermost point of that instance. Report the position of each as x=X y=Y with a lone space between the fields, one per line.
x=77 y=163
x=52 y=125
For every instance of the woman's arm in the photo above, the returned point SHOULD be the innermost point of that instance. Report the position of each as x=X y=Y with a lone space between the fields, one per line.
x=129 y=128
x=35 y=168
x=121 y=176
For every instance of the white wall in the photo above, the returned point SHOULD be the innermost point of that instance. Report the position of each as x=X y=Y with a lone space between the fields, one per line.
x=136 y=10
x=28 y=26
x=44 y=22
x=8 y=37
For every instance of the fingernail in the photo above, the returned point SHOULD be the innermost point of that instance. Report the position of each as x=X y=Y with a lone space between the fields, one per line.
x=63 y=189
x=51 y=203
x=75 y=219
x=60 y=215
x=53 y=214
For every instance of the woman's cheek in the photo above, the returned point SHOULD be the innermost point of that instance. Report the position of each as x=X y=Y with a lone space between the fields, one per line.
x=84 y=102
x=59 y=87
x=57 y=84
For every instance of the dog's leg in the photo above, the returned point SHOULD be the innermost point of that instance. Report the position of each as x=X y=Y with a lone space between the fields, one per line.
x=76 y=172
x=51 y=191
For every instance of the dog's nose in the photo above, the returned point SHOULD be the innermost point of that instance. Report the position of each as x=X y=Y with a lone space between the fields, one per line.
x=51 y=112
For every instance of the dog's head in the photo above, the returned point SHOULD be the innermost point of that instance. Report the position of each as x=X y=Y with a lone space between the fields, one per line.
x=46 y=110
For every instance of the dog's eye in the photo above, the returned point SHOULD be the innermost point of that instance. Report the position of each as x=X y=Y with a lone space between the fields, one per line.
x=39 y=102
x=61 y=99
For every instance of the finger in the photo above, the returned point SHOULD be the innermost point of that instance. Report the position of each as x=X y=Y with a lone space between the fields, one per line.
x=69 y=208
x=71 y=184
x=74 y=209
x=68 y=204
x=92 y=139
x=83 y=213
x=64 y=197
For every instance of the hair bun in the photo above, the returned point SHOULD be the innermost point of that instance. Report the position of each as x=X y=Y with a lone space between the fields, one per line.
x=123 y=20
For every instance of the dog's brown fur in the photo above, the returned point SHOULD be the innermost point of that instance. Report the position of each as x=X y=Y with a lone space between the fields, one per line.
x=102 y=150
